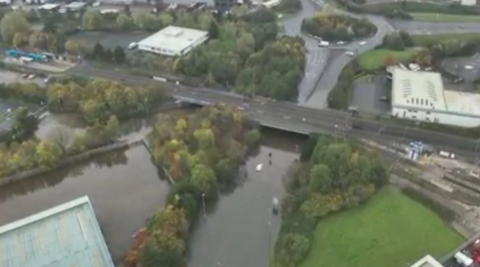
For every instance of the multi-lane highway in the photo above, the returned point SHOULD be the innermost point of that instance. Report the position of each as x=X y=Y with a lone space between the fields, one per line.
x=300 y=119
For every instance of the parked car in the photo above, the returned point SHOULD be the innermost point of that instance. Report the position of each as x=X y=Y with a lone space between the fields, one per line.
x=350 y=53
x=32 y=76
x=363 y=43
x=25 y=75
x=132 y=45
x=340 y=43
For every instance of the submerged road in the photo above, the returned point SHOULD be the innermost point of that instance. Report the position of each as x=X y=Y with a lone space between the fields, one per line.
x=294 y=118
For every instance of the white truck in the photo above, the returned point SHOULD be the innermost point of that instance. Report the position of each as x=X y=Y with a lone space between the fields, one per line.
x=446 y=154
x=323 y=43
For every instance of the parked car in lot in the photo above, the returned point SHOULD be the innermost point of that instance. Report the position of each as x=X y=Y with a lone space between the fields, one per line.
x=340 y=43
x=323 y=43
x=132 y=45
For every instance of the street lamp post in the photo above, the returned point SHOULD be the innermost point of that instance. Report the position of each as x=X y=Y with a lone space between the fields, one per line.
x=203 y=204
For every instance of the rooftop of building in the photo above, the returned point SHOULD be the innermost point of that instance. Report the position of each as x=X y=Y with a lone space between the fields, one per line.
x=417 y=89
x=65 y=235
x=76 y=5
x=427 y=261
x=173 y=38
x=49 y=6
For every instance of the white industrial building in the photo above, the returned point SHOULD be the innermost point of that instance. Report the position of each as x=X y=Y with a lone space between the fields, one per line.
x=468 y=2
x=427 y=261
x=419 y=95
x=173 y=41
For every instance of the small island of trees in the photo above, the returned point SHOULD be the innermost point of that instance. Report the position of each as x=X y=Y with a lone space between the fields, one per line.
x=332 y=26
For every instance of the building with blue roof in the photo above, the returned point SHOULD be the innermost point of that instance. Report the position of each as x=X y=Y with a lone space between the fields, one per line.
x=67 y=235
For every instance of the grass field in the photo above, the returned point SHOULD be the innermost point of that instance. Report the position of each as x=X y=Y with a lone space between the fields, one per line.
x=373 y=59
x=390 y=230
x=425 y=40
x=436 y=17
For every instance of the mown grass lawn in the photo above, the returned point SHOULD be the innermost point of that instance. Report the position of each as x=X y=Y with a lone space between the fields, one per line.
x=437 y=17
x=373 y=59
x=390 y=230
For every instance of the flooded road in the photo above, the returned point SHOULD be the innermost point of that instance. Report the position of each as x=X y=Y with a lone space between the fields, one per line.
x=124 y=189
x=240 y=229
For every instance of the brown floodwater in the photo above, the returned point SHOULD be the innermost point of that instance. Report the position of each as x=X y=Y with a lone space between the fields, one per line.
x=125 y=189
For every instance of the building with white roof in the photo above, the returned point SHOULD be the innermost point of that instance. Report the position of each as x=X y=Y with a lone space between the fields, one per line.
x=65 y=235
x=173 y=41
x=427 y=261
x=75 y=6
x=49 y=7
x=419 y=95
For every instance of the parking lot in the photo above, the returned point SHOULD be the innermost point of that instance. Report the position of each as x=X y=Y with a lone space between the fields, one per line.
x=110 y=40
x=370 y=95
x=15 y=77
x=466 y=67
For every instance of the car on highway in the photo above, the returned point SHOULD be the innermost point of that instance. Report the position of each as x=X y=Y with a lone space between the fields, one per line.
x=362 y=43
x=350 y=53
x=340 y=43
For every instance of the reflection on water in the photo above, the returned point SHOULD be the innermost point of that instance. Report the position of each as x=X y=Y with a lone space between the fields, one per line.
x=239 y=229
x=124 y=188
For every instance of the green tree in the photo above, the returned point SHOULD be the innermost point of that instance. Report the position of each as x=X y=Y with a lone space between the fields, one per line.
x=320 y=178
x=19 y=40
x=252 y=138
x=75 y=47
x=119 y=54
x=146 y=21
x=92 y=20
x=124 y=22
x=113 y=128
x=213 y=30
x=47 y=155
x=98 y=51
x=62 y=137
x=204 y=179
x=11 y=24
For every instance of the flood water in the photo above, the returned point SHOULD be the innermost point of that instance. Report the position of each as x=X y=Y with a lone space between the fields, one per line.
x=125 y=189
x=240 y=229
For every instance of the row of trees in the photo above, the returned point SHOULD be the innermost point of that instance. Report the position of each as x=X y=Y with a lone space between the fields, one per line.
x=336 y=175
x=333 y=26
x=23 y=127
x=200 y=151
x=101 y=98
x=26 y=155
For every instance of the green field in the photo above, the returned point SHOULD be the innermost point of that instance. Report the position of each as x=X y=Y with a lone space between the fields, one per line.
x=390 y=230
x=436 y=17
x=425 y=40
x=373 y=59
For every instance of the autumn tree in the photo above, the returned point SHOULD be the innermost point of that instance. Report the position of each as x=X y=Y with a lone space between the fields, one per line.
x=48 y=155
x=388 y=60
x=62 y=137
x=11 y=24
x=92 y=20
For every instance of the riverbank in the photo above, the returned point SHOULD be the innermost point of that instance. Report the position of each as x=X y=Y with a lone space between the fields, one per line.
x=68 y=161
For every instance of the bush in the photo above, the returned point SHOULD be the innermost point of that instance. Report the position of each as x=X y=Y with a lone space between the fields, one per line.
x=252 y=138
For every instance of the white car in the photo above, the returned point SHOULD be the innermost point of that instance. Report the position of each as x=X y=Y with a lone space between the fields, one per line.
x=96 y=3
x=32 y=76
x=132 y=45
x=362 y=43
x=350 y=53
x=340 y=43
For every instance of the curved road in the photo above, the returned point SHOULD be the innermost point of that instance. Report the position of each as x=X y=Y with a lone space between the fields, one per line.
x=323 y=65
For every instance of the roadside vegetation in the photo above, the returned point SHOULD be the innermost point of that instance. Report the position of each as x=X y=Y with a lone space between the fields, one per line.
x=438 y=17
x=332 y=26
x=288 y=6
x=377 y=58
x=365 y=236
x=202 y=152
x=334 y=175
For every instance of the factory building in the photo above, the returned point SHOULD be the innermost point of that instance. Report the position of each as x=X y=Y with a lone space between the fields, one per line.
x=420 y=96
x=173 y=41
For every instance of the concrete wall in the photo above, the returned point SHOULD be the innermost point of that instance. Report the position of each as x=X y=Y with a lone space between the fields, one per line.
x=64 y=162
x=435 y=116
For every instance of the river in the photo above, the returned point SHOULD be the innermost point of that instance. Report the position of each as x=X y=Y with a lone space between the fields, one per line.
x=125 y=189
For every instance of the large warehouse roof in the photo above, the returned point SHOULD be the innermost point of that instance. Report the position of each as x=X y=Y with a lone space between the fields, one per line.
x=462 y=102
x=172 y=38
x=66 y=235
x=417 y=89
